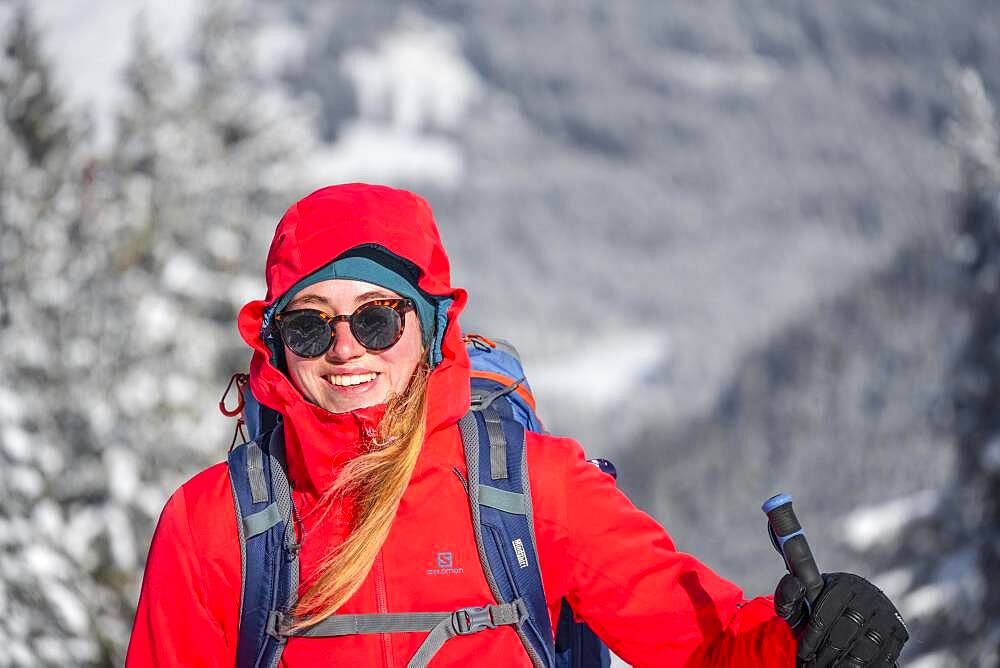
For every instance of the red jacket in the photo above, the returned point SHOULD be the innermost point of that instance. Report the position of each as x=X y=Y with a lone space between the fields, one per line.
x=619 y=569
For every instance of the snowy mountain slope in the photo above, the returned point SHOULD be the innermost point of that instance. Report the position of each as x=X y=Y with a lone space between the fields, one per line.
x=720 y=216
x=847 y=407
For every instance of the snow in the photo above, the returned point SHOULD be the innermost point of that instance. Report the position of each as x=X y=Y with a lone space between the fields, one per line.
x=137 y=393
x=990 y=459
x=81 y=529
x=34 y=352
x=123 y=473
x=150 y=500
x=26 y=480
x=47 y=518
x=50 y=458
x=89 y=42
x=184 y=275
x=977 y=136
x=9 y=532
x=121 y=537
x=81 y=352
x=15 y=441
x=223 y=243
x=710 y=75
x=242 y=289
x=179 y=388
x=367 y=151
x=415 y=77
x=935 y=660
x=45 y=562
x=19 y=654
x=867 y=527
x=102 y=415
x=276 y=44
x=412 y=88
x=159 y=315
x=957 y=584
x=68 y=606
x=588 y=377
x=929 y=599
x=894 y=583
x=11 y=407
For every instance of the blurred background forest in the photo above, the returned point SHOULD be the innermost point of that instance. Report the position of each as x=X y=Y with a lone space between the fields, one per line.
x=744 y=246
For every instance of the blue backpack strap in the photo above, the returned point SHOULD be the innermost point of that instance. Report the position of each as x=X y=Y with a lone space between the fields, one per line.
x=268 y=546
x=500 y=500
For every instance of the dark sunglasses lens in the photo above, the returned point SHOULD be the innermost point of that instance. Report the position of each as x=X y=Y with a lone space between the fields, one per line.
x=376 y=327
x=306 y=334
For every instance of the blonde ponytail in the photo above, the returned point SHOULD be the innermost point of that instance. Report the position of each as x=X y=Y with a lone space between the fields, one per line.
x=375 y=480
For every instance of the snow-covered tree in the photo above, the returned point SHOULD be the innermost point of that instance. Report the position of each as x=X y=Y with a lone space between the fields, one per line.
x=940 y=551
x=977 y=386
x=190 y=195
x=53 y=586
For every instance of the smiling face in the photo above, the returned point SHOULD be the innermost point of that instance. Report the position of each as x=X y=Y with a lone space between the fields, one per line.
x=347 y=376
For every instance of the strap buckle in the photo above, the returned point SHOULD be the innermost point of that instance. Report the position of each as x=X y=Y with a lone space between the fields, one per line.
x=274 y=623
x=472 y=620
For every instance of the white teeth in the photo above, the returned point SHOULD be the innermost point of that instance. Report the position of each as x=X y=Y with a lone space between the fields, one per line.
x=346 y=381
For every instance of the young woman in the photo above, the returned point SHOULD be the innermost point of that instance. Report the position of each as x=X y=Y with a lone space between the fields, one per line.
x=358 y=346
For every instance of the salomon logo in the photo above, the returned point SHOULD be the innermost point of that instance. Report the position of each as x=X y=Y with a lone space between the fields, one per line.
x=522 y=558
x=445 y=565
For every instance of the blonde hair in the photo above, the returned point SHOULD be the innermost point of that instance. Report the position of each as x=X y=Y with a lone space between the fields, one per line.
x=376 y=480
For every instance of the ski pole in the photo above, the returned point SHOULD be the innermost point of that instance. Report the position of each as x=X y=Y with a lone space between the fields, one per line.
x=790 y=542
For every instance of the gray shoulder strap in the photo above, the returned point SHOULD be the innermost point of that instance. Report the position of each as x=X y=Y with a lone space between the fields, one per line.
x=470 y=439
x=262 y=484
x=283 y=498
x=255 y=472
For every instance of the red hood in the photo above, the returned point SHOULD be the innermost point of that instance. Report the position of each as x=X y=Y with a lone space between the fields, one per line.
x=311 y=234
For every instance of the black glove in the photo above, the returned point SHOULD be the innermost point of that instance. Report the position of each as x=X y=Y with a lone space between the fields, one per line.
x=851 y=624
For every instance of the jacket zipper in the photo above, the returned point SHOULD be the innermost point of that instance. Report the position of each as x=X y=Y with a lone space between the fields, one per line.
x=382 y=607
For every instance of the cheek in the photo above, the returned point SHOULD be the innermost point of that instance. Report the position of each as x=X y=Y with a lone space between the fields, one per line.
x=301 y=373
x=404 y=357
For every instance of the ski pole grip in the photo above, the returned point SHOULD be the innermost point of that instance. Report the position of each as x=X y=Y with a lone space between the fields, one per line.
x=790 y=541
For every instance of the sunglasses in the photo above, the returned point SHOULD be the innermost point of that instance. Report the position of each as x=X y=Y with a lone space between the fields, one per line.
x=377 y=325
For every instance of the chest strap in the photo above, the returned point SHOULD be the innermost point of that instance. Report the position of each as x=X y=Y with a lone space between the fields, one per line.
x=442 y=625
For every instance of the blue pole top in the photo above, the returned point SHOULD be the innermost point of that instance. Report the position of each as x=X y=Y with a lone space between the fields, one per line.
x=776 y=501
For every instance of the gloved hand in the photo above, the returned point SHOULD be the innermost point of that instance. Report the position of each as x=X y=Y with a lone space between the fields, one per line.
x=851 y=624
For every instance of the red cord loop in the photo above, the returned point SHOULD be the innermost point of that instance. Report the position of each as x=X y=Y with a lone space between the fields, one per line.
x=240 y=380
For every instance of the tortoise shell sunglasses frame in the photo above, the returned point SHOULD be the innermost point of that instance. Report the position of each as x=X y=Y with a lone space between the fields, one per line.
x=377 y=325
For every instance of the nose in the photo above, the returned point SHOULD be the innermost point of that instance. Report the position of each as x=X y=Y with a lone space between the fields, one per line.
x=345 y=346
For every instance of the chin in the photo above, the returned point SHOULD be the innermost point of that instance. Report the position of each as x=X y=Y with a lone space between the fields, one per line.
x=339 y=407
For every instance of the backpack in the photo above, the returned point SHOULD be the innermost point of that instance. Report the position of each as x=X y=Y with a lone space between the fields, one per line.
x=502 y=408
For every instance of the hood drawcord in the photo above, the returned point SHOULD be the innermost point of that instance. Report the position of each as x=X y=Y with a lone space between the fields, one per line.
x=367 y=431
